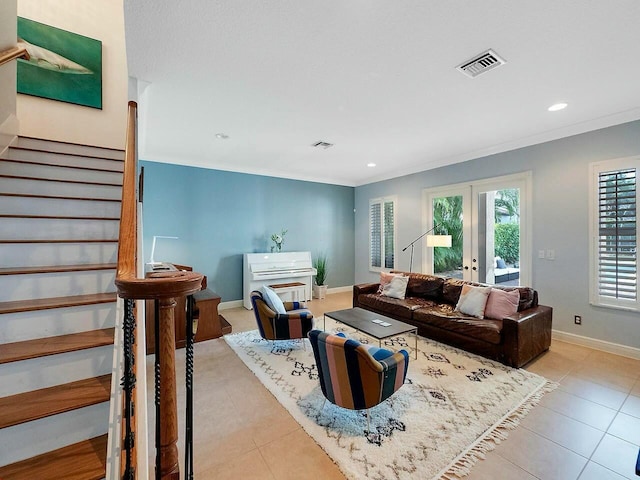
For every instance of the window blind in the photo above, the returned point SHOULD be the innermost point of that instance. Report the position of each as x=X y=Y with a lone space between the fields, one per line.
x=375 y=220
x=389 y=237
x=617 y=235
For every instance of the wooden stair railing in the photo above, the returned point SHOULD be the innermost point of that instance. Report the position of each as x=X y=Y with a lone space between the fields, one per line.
x=164 y=287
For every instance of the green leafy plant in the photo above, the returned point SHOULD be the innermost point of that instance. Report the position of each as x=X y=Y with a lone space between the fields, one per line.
x=507 y=242
x=447 y=215
x=320 y=264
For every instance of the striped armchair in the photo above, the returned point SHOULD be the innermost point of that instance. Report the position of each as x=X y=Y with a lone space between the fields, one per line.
x=350 y=375
x=296 y=323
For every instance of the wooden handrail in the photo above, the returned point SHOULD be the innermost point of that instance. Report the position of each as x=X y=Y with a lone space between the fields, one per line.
x=157 y=285
x=164 y=287
x=12 y=53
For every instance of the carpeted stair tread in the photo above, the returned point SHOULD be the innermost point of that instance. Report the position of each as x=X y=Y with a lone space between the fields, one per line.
x=28 y=406
x=86 y=460
x=58 y=268
x=41 y=347
x=56 y=302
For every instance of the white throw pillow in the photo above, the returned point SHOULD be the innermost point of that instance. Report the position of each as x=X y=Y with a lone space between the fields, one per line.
x=273 y=300
x=473 y=300
x=396 y=288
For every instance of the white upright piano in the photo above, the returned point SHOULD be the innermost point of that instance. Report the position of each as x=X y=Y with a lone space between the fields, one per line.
x=276 y=268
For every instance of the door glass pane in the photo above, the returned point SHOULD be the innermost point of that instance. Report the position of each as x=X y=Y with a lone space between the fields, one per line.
x=447 y=217
x=498 y=256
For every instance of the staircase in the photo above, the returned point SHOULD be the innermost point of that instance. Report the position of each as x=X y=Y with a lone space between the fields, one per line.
x=59 y=220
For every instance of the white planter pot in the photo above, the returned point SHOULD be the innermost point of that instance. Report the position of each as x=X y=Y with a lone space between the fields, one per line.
x=319 y=291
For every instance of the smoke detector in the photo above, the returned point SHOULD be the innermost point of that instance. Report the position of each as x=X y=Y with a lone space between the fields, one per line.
x=322 y=144
x=481 y=63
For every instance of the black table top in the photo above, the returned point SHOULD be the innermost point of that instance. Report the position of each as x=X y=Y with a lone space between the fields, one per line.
x=362 y=320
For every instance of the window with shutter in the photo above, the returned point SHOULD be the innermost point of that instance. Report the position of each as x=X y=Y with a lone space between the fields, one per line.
x=614 y=242
x=382 y=233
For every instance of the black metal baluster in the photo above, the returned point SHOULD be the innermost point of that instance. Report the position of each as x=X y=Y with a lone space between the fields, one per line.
x=128 y=381
x=156 y=319
x=190 y=331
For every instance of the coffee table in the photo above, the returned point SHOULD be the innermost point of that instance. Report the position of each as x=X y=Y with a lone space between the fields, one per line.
x=363 y=321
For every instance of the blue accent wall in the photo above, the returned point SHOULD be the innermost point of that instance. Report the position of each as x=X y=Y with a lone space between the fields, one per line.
x=218 y=216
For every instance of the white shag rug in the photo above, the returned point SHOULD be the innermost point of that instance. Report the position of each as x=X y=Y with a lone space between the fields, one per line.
x=453 y=408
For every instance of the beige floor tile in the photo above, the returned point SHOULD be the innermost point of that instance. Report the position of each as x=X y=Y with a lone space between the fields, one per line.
x=495 y=467
x=296 y=457
x=579 y=409
x=552 y=365
x=576 y=436
x=593 y=391
x=571 y=351
x=617 y=455
x=593 y=471
x=609 y=375
x=636 y=389
x=251 y=465
x=630 y=366
x=632 y=406
x=540 y=457
x=626 y=427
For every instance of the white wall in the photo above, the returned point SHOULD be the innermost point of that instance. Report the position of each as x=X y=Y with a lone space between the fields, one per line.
x=8 y=122
x=99 y=19
x=560 y=221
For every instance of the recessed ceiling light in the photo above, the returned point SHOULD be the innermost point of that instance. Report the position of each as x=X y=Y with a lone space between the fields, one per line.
x=371 y=165
x=222 y=136
x=557 y=106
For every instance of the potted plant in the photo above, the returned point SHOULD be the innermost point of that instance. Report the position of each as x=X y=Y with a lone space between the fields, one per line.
x=320 y=287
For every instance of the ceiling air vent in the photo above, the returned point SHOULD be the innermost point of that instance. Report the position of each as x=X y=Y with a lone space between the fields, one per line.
x=481 y=63
x=321 y=144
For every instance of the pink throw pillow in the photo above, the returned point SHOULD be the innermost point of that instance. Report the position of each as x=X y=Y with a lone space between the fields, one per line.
x=502 y=303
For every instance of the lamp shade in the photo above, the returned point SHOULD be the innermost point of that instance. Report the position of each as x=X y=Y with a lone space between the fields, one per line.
x=438 y=240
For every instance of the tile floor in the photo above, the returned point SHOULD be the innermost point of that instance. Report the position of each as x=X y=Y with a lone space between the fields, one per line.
x=587 y=429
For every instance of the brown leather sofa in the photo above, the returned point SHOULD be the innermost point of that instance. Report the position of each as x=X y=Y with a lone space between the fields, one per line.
x=430 y=302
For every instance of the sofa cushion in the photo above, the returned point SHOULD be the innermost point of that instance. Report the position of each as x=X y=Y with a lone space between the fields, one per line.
x=393 y=307
x=502 y=303
x=452 y=288
x=473 y=300
x=427 y=286
x=396 y=288
x=445 y=317
x=385 y=279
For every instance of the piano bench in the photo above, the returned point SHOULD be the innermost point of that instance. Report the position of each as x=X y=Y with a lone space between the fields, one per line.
x=290 y=292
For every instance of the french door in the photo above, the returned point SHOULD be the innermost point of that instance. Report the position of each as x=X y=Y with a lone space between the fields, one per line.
x=489 y=222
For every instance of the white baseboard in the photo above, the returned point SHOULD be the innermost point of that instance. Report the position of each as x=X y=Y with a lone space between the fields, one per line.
x=594 y=343
x=346 y=288
x=230 y=304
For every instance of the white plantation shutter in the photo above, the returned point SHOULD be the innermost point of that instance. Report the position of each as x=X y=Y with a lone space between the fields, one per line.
x=616 y=262
x=389 y=234
x=382 y=233
x=375 y=222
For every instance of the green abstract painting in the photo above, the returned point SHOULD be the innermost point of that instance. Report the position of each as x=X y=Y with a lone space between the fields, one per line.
x=61 y=65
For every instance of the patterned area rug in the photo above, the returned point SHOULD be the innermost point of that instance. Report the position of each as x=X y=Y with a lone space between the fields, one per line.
x=453 y=408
